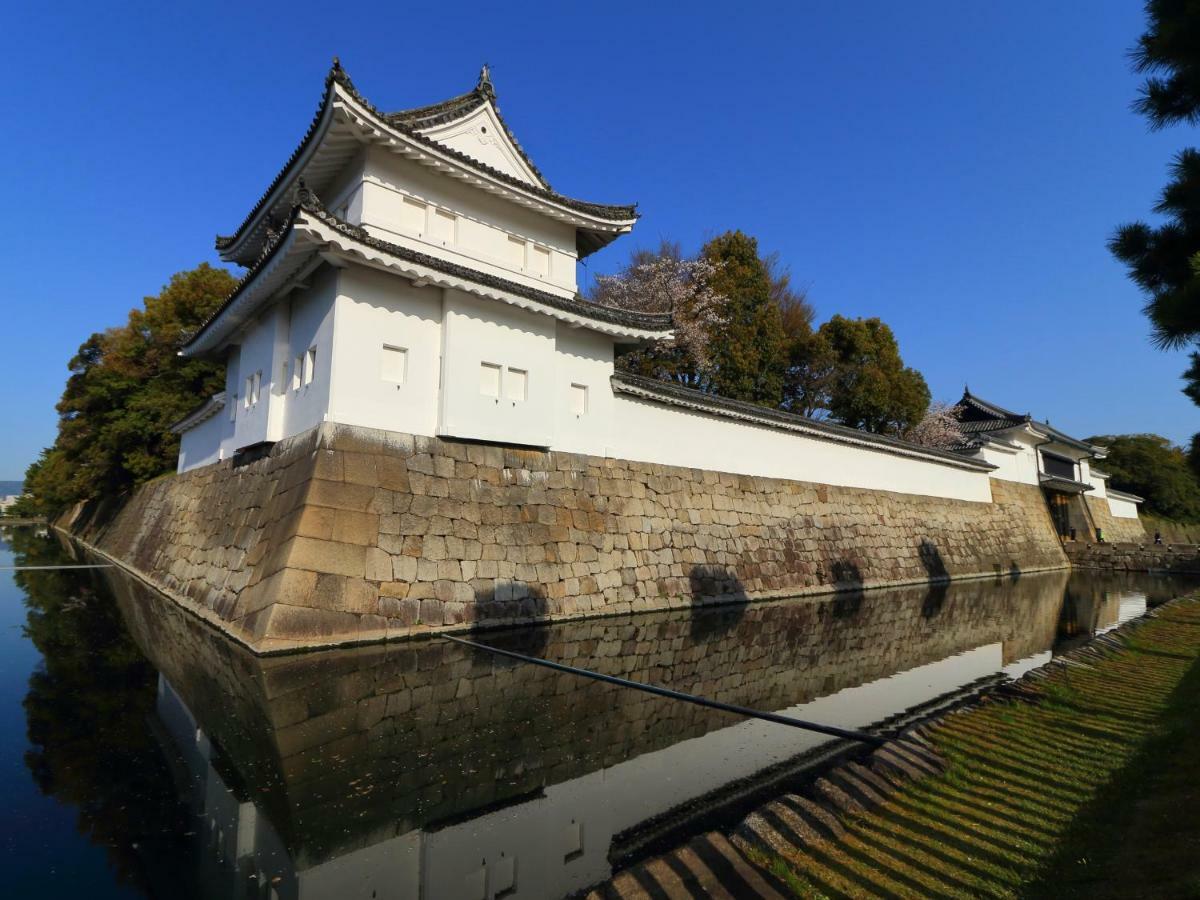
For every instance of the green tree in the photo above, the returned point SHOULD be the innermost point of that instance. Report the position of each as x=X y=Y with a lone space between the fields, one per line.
x=744 y=331
x=869 y=386
x=127 y=386
x=750 y=354
x=1155 y=469
x=1164 y=261
x=1168 y=53
x=811 y=365
x=664 y=281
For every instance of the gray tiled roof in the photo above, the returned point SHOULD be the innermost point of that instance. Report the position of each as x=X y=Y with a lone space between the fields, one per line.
x=978 y=416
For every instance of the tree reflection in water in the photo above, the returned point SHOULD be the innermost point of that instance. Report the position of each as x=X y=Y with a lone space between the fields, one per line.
x=86 y=712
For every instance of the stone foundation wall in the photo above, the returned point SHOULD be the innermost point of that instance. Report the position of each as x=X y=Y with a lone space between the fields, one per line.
x=1136 y=557
x=1115 y=531
x=350 y=534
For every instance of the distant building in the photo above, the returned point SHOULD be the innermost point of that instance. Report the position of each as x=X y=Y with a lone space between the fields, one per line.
x=1024 y=450
x=7 y=501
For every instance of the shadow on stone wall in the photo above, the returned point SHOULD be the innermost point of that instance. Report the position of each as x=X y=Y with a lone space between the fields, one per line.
x=709 y=586
x=848 y=579
x=938 y=575
x=931 y=560
x=507 y=599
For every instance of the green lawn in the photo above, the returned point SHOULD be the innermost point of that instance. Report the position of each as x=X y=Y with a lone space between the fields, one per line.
x=1093 y=790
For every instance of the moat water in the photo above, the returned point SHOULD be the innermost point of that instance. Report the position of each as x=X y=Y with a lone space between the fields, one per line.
x=142 y=754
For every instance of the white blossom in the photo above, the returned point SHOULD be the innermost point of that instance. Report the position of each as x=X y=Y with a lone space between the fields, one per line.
x=668 y=284
x=939 y=428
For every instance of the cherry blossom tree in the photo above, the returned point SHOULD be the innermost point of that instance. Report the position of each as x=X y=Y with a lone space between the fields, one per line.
x=938 y=428
x=666 y=282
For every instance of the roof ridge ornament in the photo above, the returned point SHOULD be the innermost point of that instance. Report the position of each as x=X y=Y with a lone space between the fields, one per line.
x=484 y=84
x=305 y=196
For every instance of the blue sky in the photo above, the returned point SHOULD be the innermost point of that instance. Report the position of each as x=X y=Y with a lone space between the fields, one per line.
x=954 y=168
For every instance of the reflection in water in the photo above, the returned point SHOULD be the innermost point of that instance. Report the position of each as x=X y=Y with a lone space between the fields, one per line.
x=429 y=769
x=86 y=711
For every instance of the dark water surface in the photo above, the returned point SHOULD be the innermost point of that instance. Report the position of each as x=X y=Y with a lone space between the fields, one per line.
x=143 y=754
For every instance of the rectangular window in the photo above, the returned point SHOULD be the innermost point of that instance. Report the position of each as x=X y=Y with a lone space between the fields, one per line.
x=297 y=372
x=516 y=253
x=310 y=364
x=442 y=226
x=539 y=261
x=256 y=389
x=489 y=379
x=282 y=382
x=504 y=877
x=578 y=399
x=574 y=842
x=395 y=364
x=233 y=408
x=515 y=384
x=412 y=215
x=1058 y=465
x=247 y=392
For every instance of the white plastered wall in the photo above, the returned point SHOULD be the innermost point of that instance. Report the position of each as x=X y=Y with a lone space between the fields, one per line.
x=1015 y=458
x=480 y=136
x=310 y=327
x=201 y=445
x=1122 y=508
x=387 y=350
x=514 y=345
x=652 y=432
x=483 y=232
x=583 y=362
x=256 y=355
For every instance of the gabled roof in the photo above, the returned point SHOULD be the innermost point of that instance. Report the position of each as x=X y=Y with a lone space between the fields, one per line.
x=311 y=235
x=345 y=120
x=436 y=115
x=978 y=416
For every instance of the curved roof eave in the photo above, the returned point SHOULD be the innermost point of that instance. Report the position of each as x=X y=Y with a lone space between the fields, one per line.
x=312 y=224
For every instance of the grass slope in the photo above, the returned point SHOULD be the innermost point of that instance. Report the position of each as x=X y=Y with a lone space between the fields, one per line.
x=1092 y=790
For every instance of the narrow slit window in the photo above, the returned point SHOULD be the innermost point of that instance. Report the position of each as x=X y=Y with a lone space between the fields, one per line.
x=412 y=215
x=233 y=409
x=297 y=372
x=394 y=367
x=579 y=399
x=504 y=877
x=257 y=388
x=489 y=379
x=574 y=841
x=247 y=392
x=310 y=364
x=516 y=253
x=516 y=384
x=443 y=224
